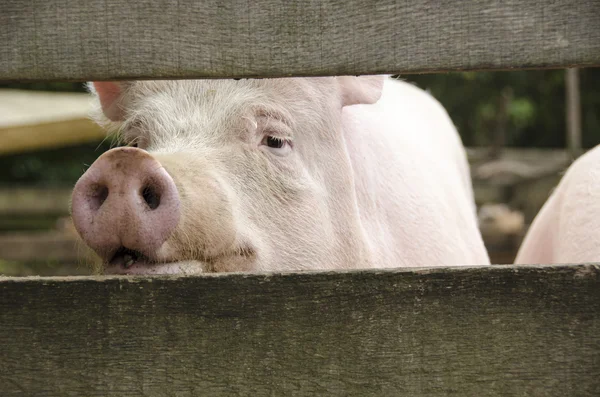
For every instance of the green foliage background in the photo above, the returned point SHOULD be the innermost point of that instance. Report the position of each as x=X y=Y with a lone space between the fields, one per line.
x=536 y=114
x=536 y=118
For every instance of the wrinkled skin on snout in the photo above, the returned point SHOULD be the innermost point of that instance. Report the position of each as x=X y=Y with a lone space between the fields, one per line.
x=276 y=175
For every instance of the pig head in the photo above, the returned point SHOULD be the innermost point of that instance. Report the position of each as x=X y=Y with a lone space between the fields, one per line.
x=225 y=175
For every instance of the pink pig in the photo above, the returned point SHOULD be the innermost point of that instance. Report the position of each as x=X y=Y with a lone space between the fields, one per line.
x=277 y=175
x=564 y=231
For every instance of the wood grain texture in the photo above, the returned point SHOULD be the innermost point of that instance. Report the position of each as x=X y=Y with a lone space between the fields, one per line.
x=110 y=39
x=34 y=120
x=30 y=138
x=514 y=330
x=44 y=247
x=34 y=201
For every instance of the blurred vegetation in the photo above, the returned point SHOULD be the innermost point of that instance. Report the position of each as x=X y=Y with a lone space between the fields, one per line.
x=536 y=114
x=535 y=118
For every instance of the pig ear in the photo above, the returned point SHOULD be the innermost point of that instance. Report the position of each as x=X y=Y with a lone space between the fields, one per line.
x=110 y=94
x=360 y=90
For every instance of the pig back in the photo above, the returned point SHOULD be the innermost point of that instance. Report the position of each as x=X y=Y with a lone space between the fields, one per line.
x=412 y=181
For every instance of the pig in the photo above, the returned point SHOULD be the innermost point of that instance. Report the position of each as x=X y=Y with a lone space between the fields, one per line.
x=564 y=230
x=276 y=175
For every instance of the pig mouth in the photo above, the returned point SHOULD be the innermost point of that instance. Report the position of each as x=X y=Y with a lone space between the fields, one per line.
x=125 y=258
x=126 y=261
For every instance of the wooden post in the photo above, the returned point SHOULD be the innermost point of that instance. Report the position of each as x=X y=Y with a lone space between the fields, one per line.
x=499 y=139
x=573 y=108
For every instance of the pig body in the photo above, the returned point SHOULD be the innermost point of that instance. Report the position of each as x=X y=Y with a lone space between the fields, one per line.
x=279 y=175
x=412 y=181
x=564 y=231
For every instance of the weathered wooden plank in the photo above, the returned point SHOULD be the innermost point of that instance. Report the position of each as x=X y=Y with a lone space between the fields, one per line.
x=34 y=201
x=573 y=112
x=28 y=138
x=28 y=107
x=45 y=247
x=515 y=330
x=50 y=246
x=33 y=120
x=108 y=39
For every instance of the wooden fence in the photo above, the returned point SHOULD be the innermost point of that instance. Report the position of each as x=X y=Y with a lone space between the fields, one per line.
x=107 y=39
x=33 y=120
x=499 y=330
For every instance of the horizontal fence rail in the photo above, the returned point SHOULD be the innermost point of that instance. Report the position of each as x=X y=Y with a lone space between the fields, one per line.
x=112 y=39
x=506 y=330
x=34 y=201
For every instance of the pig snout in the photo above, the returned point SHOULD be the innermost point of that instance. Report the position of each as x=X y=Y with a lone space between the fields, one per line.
x=125 y=205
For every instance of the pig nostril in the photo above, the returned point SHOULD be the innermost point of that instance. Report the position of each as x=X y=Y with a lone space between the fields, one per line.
x=98 y=196
x=151 y=197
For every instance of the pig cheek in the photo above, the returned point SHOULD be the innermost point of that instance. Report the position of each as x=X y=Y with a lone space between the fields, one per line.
x=293 y=221
x=285 y=179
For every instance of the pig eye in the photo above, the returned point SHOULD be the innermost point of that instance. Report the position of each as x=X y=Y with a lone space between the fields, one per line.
x=276 y=145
